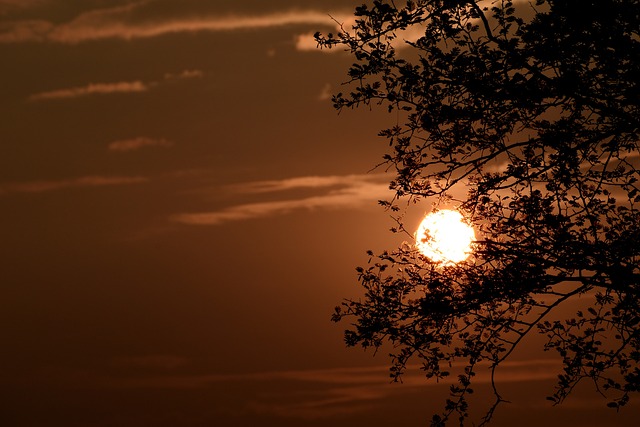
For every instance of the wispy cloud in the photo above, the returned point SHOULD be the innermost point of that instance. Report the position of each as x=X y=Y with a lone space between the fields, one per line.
x=86 y=181
x=321 y=393
x=306 y=182
x=345 y=21
x=185 y=74
x=139 y=20
x=133 y=144
x=303 y=394
x=124 y=22
x=353 y=390
x=136 y=86
x=326 y=93
x=306 y=42
x=92 y=89
x=341 y=192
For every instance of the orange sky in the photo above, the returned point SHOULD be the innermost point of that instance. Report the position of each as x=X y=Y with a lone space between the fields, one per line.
x=181 y=209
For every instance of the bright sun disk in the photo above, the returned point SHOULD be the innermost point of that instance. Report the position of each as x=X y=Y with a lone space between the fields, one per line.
x=443 y=236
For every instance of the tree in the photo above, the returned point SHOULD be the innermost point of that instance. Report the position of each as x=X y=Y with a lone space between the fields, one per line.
x=525 y=117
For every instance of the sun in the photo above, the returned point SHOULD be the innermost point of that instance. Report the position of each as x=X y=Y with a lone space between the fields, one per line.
x=444 y=237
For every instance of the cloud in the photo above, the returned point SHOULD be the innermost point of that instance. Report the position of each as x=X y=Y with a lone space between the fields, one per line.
x=124 y=22
x=335 y=376
x=357 y=389
x=22 y=31
x=342 y=192
x=306 y=42
x=86 y=181
x=323 y=393
x=133 y=144
x=326 y=93
x=92 y=89
x=136 y=86
x=139 y=20
x=305 y=182
x=185 y=74
x=345 y=21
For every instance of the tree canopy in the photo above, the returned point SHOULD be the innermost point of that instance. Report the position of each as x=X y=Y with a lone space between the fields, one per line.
x=524 y=117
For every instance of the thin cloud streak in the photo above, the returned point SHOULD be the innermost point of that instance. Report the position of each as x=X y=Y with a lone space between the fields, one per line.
x=92 y=89
x=308 y=182
x=514 y=371
x=86 y=181
x=134 y=144
x=119 y=23
x=307 y=42
x=136 y=86
x=322 y=393
x=355 y=191
x=346 y=21
x=185 y=74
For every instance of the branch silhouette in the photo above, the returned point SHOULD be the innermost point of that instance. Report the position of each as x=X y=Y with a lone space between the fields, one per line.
x=533 y=111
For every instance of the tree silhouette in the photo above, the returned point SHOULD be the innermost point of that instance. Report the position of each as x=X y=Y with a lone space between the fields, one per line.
x=525 y=118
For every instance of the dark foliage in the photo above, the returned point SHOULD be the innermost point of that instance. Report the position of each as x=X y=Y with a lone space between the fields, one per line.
x=532 y=110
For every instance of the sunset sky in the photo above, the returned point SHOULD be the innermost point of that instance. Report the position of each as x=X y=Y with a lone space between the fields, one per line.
x=181 y=210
